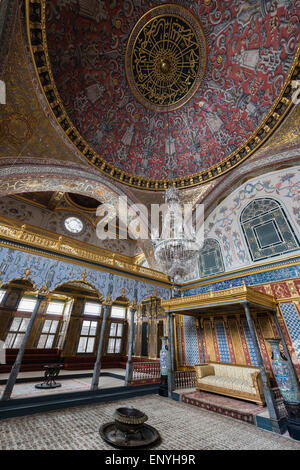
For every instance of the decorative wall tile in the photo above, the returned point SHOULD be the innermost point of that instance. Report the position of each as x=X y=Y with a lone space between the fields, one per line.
x=223 y=224
x=250 y=344
x=222 y=342
x=191 y=344
x=292 y=321
x=13 y=264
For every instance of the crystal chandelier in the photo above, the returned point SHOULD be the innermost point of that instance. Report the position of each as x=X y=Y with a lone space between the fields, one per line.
x=176 y=254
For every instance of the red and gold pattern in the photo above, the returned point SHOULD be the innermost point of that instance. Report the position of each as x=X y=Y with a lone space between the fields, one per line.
x=249 y=59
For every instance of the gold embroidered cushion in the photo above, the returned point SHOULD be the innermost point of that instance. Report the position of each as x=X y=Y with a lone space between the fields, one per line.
x=203 y=371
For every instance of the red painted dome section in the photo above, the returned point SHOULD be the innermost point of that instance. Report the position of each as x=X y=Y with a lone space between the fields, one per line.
x=250 y=49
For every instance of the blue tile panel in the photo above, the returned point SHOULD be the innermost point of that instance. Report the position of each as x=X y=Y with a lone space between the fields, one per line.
x=292 y=321
x=191 y=344
x=219 y=283
x=222 y=342
x=250 y=344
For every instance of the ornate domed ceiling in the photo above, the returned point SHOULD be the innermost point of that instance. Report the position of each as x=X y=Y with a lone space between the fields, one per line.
x=163 y=91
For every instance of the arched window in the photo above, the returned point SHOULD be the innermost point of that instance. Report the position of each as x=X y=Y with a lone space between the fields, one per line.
x=210 y=258
x=267 y=230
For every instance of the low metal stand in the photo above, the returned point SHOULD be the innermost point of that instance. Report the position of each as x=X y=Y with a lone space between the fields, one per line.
x=51 y=373
x=129 y=430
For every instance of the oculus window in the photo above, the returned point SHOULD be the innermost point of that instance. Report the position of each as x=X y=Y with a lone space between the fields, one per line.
x=73 y=224
x=267 y=230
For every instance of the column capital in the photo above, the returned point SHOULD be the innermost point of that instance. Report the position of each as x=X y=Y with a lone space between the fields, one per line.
x=43 y=291
x=134 y=305
x=107 y=302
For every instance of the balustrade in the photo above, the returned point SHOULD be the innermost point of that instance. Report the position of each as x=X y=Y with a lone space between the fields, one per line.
x=151 y=370
x=145 y=370
x=185 y=379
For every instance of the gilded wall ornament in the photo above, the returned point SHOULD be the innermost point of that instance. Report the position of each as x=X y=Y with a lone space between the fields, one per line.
x=166 y=57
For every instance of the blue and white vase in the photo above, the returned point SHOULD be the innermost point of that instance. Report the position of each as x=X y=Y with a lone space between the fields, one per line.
x=164 y=368
x=288 y=387
x=285 y=381
x=164 y=357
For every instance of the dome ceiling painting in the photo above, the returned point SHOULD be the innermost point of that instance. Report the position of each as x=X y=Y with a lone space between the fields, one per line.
x=166 y=91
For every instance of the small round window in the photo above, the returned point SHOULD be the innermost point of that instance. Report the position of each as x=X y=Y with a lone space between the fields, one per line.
x=73 y=224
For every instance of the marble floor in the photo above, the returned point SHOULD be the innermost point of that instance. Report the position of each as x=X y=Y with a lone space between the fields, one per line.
x=182 y=427
x=27 y=389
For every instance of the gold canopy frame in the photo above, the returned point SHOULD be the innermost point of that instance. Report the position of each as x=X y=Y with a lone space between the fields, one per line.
x=221 y=302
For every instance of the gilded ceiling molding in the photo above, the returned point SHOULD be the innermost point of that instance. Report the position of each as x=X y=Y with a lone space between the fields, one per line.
x=35 y=238
x=36 y=29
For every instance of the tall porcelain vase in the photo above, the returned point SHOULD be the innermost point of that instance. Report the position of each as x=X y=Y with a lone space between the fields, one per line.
x=164 y=366
x=288 y=387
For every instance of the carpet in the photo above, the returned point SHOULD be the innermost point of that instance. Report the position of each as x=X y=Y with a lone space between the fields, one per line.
x=237 y=409
x=181 y=426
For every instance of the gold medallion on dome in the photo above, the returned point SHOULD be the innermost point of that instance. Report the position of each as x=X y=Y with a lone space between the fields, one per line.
x=166 y=57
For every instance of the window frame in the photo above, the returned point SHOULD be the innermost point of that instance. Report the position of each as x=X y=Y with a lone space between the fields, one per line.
x=115 y=337
x=88 y=336
x=16 y=333
x=49 y=334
